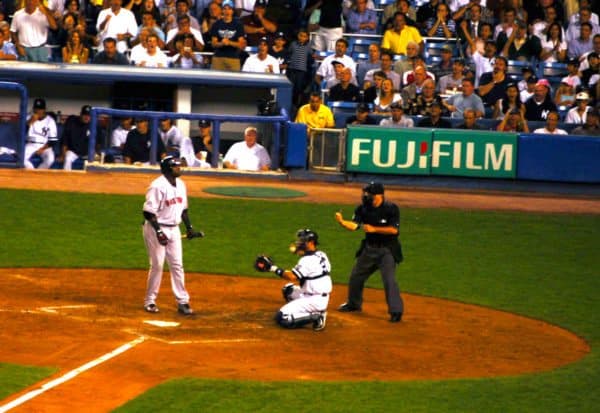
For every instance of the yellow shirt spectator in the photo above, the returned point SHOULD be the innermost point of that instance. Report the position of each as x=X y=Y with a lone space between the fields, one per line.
x=397 y=38
x=314 y=114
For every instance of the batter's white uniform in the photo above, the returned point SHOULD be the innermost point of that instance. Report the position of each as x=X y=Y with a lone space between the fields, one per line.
x=40 y=133
x=167 y=202
x=312 y=296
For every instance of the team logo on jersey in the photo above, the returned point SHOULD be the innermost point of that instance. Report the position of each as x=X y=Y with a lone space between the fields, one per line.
x=176 y=200
x=45 y=131
x=226 y=34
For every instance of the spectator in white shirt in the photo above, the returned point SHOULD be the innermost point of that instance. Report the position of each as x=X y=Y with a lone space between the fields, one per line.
x=153 y=57
x=247 y=155
x=262 y=61
x=551 y=127
x=117 y=22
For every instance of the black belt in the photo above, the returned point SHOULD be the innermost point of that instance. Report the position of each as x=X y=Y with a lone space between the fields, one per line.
x=167 y=225
x=374 y=244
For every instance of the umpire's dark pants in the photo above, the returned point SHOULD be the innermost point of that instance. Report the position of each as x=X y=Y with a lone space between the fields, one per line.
x=370 y=259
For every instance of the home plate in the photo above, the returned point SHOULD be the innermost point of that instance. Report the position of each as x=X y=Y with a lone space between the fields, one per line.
x=160 y=323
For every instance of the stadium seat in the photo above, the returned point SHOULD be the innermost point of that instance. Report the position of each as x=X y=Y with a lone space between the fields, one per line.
x=553 y=72
x=360 y=57
x=360 y=45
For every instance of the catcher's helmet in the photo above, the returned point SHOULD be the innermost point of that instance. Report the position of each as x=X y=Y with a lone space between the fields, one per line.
x=305 y=235
x=167 y=164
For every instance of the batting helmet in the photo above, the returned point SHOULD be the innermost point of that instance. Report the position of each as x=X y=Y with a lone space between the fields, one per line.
x=167 y=164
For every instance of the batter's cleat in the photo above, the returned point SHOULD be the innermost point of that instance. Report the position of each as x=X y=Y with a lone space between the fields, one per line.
x=319 y=323
x=348 y=308
x=151 y=308
x=185 y=309
x=395 y=317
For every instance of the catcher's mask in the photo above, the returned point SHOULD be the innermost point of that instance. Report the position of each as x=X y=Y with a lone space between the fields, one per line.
x=304 y=236
x=168 y=163
x=369 y=191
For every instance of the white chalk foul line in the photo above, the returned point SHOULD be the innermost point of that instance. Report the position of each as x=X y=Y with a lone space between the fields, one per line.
x=68 y=376
x=60 y=307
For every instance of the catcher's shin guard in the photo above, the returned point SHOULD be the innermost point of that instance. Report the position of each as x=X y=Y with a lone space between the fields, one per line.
x=287 y=291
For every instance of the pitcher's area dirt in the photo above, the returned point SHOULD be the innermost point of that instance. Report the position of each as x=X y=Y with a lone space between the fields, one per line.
x=67 y=318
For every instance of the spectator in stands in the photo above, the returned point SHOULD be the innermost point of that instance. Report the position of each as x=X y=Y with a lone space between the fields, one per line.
x=442 y=24
x=182 y=8
x=315 y=114
x=581 y=44
x=279 y=51
x=41 y=136
x=361 y=20
x=465 y=9
x=326 y=70
x=247 y=155
x=185 y=58
x=492 y=85
x=8 y=51
x=373 y=62
x=386 y=97
x=526 y=73
x=211 y=16
x=410 y=61
x=244 y=8
x=331 y=27
x=470 y=24
x=118 y=23
x=362 y=116
x=153 y=56
x=397 y=119
x=29 y=28
x=469 y=120
x=168 y=14
x=372 y=91
x=226 y=34
x=592 y=70
x=554 y=47
x=345 y=91
x=582 y=4
x=141 y=43
x=257 y=25
x=458 y=103
x=138 y=144
x=508 y=24
x=585 y=17
x=76 y=138
x=473 y=44
x=445 y=65
x=75 y=52
x=540 y=104
x=511 y=100
x=551 y=127
x=117 y=140
x=513 y=121
x=299 y=68
x=401 y=6
x=578 y=113
x=452 y=83
x=530 y=87
x=538 y=11
x=261 y=62
x=540 y=27
x=149 y=22
x=411 y=90
x=110 y=55
x=409 y=76
x=145 y=6
x=421 y=105
x=66 y=24
x=184 y=28
x=396 y=39
x=572 y=73
x=434 y=120
x=519 y=45
x=386 y=67
x=171 y=136
x=483 y=62
x=591 y=127
x=426 y=11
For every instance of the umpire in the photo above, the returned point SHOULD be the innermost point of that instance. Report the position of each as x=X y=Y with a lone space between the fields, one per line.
x=380 y=249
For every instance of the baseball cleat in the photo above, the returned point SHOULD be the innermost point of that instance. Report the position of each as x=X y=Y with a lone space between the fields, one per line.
x=395 y=317
x=185 y=309
x=348 y=308
x=319 y=323
x=151 y=308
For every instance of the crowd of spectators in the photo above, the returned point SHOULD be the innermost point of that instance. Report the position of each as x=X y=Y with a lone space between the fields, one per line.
x=309 y=40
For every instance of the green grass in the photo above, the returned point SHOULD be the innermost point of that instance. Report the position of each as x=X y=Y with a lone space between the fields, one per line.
x=15 y=377
x=540 y=265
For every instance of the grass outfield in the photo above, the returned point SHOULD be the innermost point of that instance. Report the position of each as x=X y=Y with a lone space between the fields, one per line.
x=541 y=265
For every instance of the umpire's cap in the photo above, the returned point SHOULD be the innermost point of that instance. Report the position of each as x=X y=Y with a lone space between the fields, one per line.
x=374 y=188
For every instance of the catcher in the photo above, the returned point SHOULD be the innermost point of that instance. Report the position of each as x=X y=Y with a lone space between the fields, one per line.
x=306 y=303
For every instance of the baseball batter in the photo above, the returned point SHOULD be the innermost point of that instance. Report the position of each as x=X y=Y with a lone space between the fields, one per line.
x=165 y=207
x=308 y=301
x=41 y=135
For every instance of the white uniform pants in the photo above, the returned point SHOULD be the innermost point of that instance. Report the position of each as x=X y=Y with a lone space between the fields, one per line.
x=157 y=254
x=303 y=305
x=47 y=156
x=70 y=157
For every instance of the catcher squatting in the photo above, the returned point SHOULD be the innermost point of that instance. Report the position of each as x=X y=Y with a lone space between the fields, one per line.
x=166 y=206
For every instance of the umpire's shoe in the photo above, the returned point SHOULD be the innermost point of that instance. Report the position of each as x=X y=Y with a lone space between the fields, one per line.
x=319 y=323
x=395 y=317
x=185 y=309
x=151 y=308
x=348 y=308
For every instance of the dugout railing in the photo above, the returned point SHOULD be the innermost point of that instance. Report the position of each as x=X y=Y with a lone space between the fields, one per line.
x=22 y=123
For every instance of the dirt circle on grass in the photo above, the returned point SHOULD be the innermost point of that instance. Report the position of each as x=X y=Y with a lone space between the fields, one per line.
x=66 y=318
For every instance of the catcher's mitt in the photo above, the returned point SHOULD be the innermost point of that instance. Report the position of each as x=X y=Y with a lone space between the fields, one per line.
x=263 y=263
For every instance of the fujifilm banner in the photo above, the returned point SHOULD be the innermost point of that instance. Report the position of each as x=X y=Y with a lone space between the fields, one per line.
x=431 y=152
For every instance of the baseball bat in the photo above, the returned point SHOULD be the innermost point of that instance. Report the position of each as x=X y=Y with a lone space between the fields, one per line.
x=184 y=236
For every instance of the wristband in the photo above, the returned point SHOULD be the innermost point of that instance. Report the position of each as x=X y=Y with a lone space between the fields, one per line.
x=278 y=271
